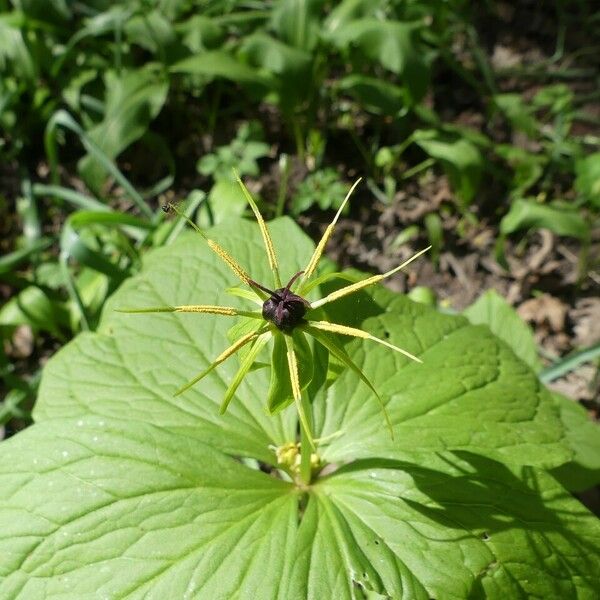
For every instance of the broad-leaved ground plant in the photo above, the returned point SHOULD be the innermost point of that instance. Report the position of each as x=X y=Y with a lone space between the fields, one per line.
x=123 y=490
x=286 y=317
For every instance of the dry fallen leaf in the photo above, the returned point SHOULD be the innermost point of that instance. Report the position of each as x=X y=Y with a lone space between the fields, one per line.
x=586 y=316
x=22 y=342
x=580 y=384
x=544 y=311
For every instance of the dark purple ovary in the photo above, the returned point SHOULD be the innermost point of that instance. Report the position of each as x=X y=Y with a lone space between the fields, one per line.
x=285 y=309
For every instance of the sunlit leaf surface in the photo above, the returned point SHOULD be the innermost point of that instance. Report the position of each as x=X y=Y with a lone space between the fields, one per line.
x=123 y=491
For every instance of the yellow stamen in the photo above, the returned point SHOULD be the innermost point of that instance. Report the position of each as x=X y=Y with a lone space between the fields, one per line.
x=355 y=287
x=222 y=357
x=215 y=310
x=359 y=333
x=229 y=261
x=297 y=392
x=236 y=346
x=314 y=261
x=216 y=248
x=266 y=236
x=194 y=308
x=246 y=294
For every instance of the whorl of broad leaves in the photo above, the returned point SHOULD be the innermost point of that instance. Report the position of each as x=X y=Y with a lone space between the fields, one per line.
x=122 y=491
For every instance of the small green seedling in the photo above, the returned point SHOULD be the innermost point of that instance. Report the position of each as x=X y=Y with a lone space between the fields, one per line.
x=285 y=317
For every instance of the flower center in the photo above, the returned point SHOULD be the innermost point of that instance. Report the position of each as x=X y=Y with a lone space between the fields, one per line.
x=284 y=308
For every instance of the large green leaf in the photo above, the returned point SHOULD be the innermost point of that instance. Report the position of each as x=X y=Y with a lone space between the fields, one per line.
x=395 y=45
x=376 y=95
x=297 y=22
x=493 y=310
x=581 y=433
x=219 y=63
x=14 y=53
x=124 y=491
x=583 y=436
x=471 y=392
x=449 y=526
x=108 y=508
x=587 y=182
x=111 y=509
x=460 y=158
x=289 y=67
x=133 y=100
x=529 y=214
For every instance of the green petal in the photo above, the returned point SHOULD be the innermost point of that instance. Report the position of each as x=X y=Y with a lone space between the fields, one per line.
x=244 y=293
x=311 y=285
x=280 y=391
x=243 y=370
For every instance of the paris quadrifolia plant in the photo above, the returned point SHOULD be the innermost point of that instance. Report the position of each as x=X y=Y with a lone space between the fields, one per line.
x=285 y=317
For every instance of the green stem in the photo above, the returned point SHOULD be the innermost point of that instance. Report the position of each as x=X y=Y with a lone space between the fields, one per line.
x=72 y=291
x=305 y=446
x=428 y=162
x=568 y=363
x=400 y=148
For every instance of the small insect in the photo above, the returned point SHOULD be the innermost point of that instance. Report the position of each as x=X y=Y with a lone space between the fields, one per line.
x=285 y=317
